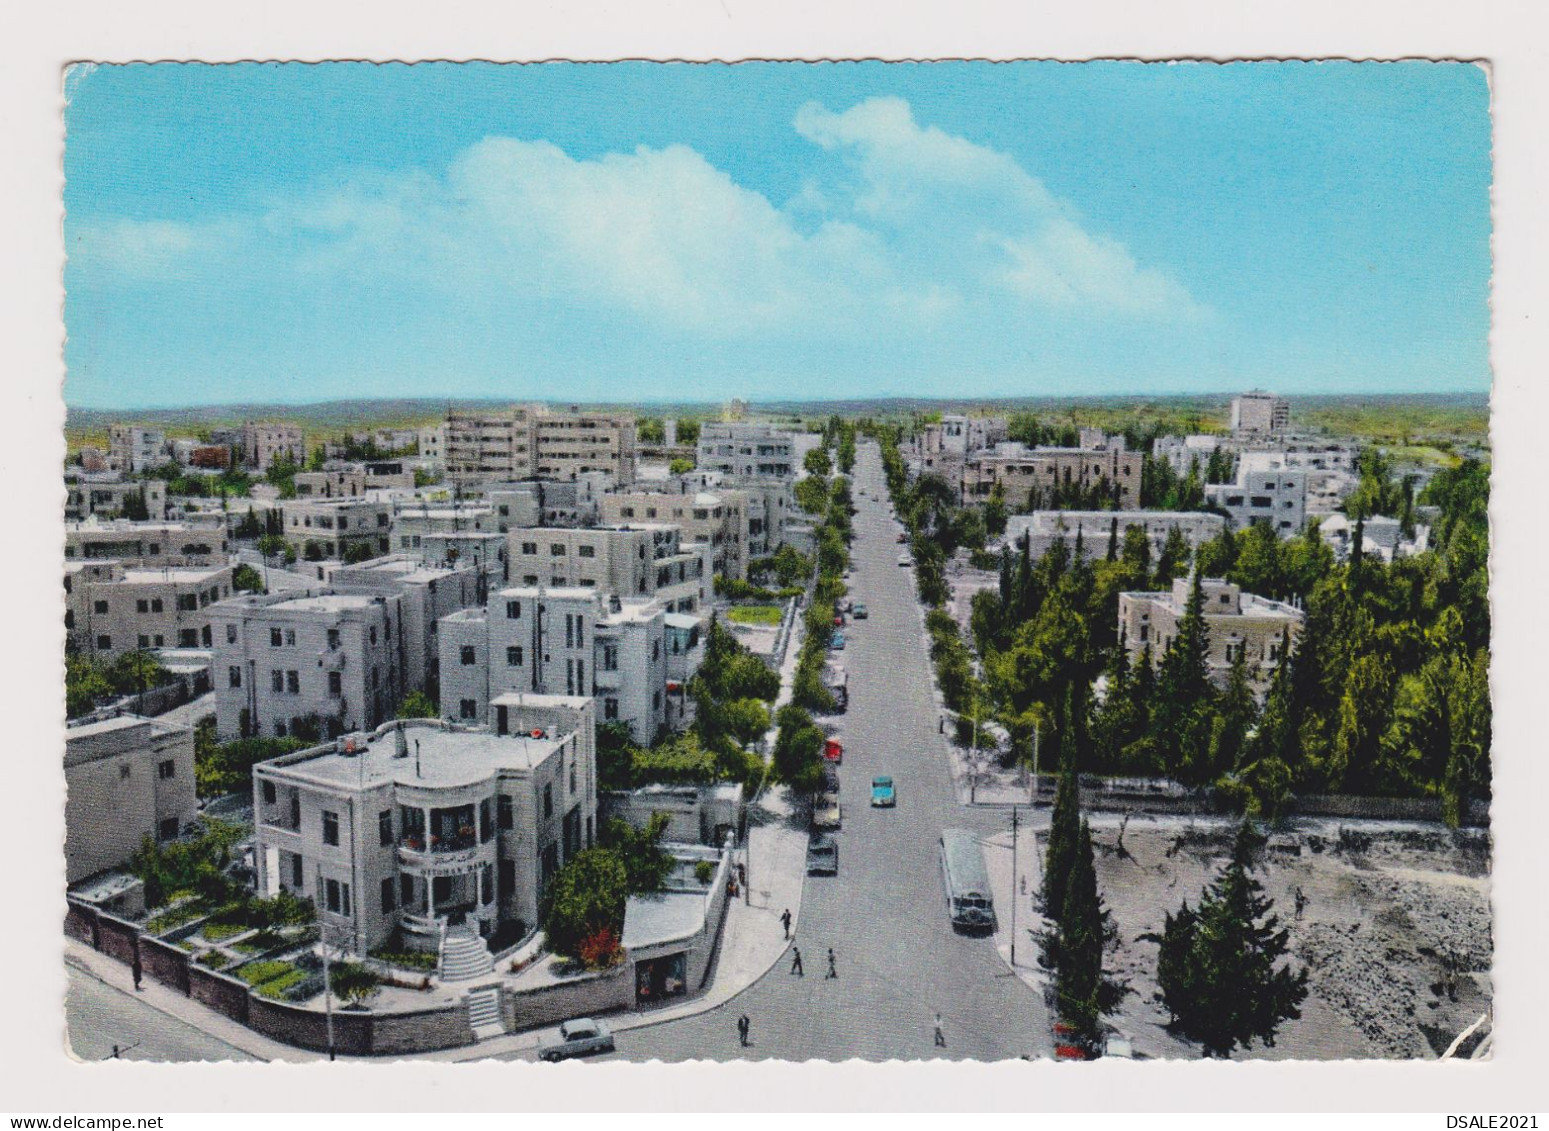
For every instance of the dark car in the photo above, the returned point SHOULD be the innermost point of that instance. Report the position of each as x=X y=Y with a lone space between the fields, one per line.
x=822 y=855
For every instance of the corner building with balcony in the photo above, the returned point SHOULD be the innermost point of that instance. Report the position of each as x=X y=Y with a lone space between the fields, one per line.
x=429 y=836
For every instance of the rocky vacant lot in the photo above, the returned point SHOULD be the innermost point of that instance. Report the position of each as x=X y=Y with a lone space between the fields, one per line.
x=1396 y=929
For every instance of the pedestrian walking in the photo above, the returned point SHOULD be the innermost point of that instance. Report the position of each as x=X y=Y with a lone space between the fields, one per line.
x=796 y=962
x=137 y=970
x=832 y=973
x=743 y=1025
x=941 y=1037
x=785 y=921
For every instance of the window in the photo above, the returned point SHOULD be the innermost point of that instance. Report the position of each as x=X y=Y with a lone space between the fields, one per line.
x=167 y=830
x=586 y=551
x=335 y=684
x=556 y=549
x=373 y=634
x=388 y=900
x=104 y=643
x=142 y=641
x=231 y=634
x=656 y=650
x=269 y=793
x=572 y=776
x=338 y=900
x=529 y=547
x=469 y=654
x=187 y=638
x=187 y=602
x=656 y=700
x=529 y=579
x=123 y=771
x=610 y=657
x=166 y=770
x=99 y=606
x=330 y=827
x=279 y=728
x=297 y=879
x=513 y=657
x=274 y=638
x=406 y=889
x=548 y=801
x=277 y=680
x=513 y=610
x=504 y=812
x=507 y=878
x=290 y=637
x=610 y=710
x=293 y=682
x=468 y=708
x=142 y=606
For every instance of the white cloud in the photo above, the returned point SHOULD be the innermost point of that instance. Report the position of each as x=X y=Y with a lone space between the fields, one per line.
x=918 y=228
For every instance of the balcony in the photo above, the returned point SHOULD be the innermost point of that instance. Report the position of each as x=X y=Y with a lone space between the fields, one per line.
x=332 y=660
x=444 y=858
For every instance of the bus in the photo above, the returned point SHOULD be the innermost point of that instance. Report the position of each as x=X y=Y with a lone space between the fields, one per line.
x=969 y=902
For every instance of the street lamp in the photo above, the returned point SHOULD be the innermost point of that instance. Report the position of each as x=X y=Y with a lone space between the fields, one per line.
x=322 y=938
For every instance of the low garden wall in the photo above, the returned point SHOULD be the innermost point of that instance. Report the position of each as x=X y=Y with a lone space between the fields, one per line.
x=584 y=996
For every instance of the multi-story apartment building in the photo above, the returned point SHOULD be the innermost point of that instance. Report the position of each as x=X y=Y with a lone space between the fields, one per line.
x=307 y=662
x=338 y=528
x=1260 y=414
x=1237 y=625
x=148 y=543
x=132 y=448
x=645 y=560
x=427 y=594
x=1042 y=529
x=561 y=641
x=1182 y=453
x=529 y=441
x=721 y=519
x=263 y=443
x=1330 y=471
x=111 y=610
x=433 y=833
x=1030 y=477
x=331 y=483
x=750 y=450
x=416 y=518
x=432 y=443
x=109 y=496
x=481 y=550
x=126 y=779
x=1277 y=497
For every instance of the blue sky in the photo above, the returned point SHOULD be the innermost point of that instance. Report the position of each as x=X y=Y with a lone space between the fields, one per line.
x=637 y=232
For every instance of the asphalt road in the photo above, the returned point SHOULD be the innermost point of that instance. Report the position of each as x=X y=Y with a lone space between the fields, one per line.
x=99 y=1016
x=898 y=960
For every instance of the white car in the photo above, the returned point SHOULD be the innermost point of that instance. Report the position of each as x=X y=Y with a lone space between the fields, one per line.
x=576 y=1038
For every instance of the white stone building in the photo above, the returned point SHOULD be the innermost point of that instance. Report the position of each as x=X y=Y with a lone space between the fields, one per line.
x=1237 y=624
x=1277 y=497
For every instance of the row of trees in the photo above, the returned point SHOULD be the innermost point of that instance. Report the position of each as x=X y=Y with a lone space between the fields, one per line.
x=90 y=682
x=1386 y=691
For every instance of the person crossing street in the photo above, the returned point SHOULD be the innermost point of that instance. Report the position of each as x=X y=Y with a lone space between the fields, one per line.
x=832 y=973
x=796 y=962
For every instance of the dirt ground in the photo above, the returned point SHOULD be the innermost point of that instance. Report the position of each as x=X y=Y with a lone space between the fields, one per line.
x=1395 y=929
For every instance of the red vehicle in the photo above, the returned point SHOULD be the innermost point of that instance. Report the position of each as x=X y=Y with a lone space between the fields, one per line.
x=832 y=751
x=839 y=620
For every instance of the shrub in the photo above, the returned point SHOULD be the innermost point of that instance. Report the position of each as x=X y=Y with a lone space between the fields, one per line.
x=704 y=872
x=600 y=950
x=353 y=982
x=214 y=959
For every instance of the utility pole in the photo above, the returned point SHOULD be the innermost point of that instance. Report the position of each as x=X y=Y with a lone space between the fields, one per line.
x=1014 y=824
x=322 y=936
x=1033 y=799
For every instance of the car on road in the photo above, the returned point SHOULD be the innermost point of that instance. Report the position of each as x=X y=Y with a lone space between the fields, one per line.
x=903 y=560
x=883 y=795
x=825 y=811
x=839 y=620
x=833 y=751
x=903 y=539
x=859 y=612
x=822 y=855
x=836 y=641
x=581 y=1037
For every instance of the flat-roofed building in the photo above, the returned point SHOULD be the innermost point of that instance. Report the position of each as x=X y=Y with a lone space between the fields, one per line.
x=314 y=662
x=1237 y=625
x=109 y=496
x=643 y=560
x=132 y=448
x=1034 y=478
x=264 y=443
x=1042 y=529
x=432 y=443
x=120 y=610
x=443 y=837
x=1277 y=497
x=191 y=542
x=751 y=450
x=126 y=779
x=720 y=519
x=530 y=441
x=1260 y=414
x=348 y=529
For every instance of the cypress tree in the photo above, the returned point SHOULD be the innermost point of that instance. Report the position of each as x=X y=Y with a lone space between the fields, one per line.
x=1217 y=964
x=1113 y=541
x=1183 y=686
x=1083 y=993
x=1064 y=828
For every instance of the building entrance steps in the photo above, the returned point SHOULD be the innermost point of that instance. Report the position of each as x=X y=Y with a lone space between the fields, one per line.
x=484 y=1012
x=464 y=956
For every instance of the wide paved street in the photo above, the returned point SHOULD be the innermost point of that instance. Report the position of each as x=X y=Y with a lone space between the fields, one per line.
x=100 y=1016
x=899 y=962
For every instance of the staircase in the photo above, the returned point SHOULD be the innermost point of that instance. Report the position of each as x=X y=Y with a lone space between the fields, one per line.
x=464 y=956
x=484 y=1013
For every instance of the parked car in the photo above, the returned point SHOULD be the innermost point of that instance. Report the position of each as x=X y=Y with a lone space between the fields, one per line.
x=836 y=641
x=580 y=1037
x=903 y=560
x=838 y=620
x=833 y=751
x=825 y=811
x=822 y=855
x=859 y=612
x=883 y=795
x=903 y=539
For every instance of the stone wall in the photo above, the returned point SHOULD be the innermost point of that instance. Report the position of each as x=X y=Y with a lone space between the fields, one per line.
x=586 y=996
x=117 y=938
x=165 y=963
x=221 y=992
x=443 y=1028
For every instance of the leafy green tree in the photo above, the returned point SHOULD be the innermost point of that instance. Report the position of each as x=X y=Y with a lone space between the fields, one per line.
x=798 y=750
x=680 y=466
x=1357 y=763
x=996 y=511
x=1236 y=712
x=586 y=897
x=817 y=462
x=246 y=579
x=1217 y=964
x=419 y=705
x=355 y=982
x=135 y=507
x=646 y=864
x=85 y=684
